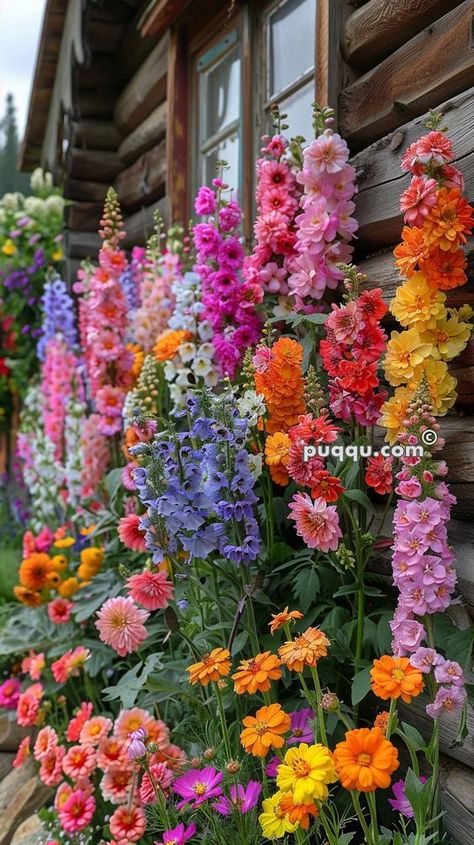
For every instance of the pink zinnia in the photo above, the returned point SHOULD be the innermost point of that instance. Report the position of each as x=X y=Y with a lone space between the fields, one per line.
x=95 y=730
x=316 y=523
x=120 y=625
x=77 y=811
x=116 y=785
x=22 y=753
x=46 y=741
x=79 y=762
x=417 y=200
x=59 y=610
x=131 y=534
x=75 y=725
x=327 y=154
x=10 y=693
x=128 y=823
x=51 y=769
x=28 y=706
x=157 y=780
x=112 y=754
x=151 y=589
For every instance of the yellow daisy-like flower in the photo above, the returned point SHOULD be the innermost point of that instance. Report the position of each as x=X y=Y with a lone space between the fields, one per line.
x=394 y=412
x=64 y=543
x=92 y=558
x=449 y=337
x=306 y=770
x=415 y=304
x=9 y=248
x=274 y=820
x=68 y=587
x=405 y=353
x=59 y=562
x=441 y=385
x=466 y=312
x=57 y=255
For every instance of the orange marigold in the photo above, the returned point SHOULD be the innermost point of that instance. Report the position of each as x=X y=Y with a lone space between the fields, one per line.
x=304 y=650
x=365 y=760
x=298 y=812
x=211 y=667
x=449 y=221
x=255 y=675
x=381 y=721
x=412 y=251
x=168 y=344
x=445 y=270
x=395 y=677
x=264 y=730
x=34 y=571
x=282 y=618
x=29 y=597
x=282 y=385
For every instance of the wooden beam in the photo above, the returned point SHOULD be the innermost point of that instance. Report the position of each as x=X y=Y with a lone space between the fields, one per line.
x=457 y=800
x=143 y=179
x=133 y=50
x=419 y=75
x=77 y=189
x=96 y=104
x=81 y=244
x=160 y=15
x=97 y=165
x=416 y=715
x=139 y=226
x=146 y=135
x=145 y=91
x=94 y=134
x=83 y=216
x=330 y=73
x=104 y=36
x=177 y=130
x=379 y=27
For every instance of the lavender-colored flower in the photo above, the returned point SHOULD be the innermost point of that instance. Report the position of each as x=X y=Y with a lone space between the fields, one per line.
x=137 y=747
x=241 y=798
x=448 y=700
x=198 y=786
x=449 y=672
x=58 y=315
x=424 y=659
x=401 y=803
x=301 y=727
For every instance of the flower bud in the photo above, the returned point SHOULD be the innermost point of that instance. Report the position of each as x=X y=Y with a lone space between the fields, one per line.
x=330 y=702
x=209 y=753
x=233 y=767
x=196 y=762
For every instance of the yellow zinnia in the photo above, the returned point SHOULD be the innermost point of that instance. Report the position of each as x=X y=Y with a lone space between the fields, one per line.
x=306 y=770
x=394 y=412
x=405 y=353
x=92 y=558
x=415 y=304
x=274 y=820
x=449 y=337
x=68 y=587
x=441 y=385
x=9 y=247
x=64 y=543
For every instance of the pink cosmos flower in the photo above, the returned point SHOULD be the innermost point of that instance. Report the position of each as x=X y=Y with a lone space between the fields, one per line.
x=401 y=803
x=198 y=786
x=51 y=767
x=158 y=779
x=130 y=533
x=95 y=730
x=22 y=753
x=128 y=823
x=243 y=799
x=59 y=610
x=316 y=523
x=77 y=811
x=75 y=725
x=178 y=835
x=301 y=728
x=79 y=762
x=46 y=741
x=10 y=693
x=326 y=154
x=448 y=700
x=151 y=589
x=120 y=625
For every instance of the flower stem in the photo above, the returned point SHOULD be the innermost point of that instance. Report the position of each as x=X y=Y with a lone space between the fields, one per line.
x=225 y=733
x=319 y=711
x=361 y=817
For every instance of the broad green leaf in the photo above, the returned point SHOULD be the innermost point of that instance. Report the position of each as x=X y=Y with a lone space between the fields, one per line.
x=360 y=686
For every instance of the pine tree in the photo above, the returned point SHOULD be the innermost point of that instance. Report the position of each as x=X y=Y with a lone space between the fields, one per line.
x=10 y=177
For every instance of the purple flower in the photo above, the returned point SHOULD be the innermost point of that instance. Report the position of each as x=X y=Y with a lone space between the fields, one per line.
x=205 y=202
x=137 y=747
x=424 y=659
x=301 y=728
x=272 y=767
x=242 y=799
x=401 y=803
x=178 y=835
x=198 y=786
x=10 y=693
x=448 y=700
x=449 y=672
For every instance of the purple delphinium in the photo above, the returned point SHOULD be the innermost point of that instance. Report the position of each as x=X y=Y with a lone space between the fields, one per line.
x=241 y=798
x=198 y=786
x=58 y=315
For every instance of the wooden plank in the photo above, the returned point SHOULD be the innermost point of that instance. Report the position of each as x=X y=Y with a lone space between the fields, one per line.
x=177 y=131
x=133 y=49
x=83 y=216
x=457 y=799
x=144 y=180
x=414 y=713
x=77 y=189
x=145 y=91
x=160 y=15
x=418 y=76
x=96 y=103
x=331 y=75
x=97 y=165
x=139 y=226
x=103 y=36
x=81 y=244
x=146 y=135
x=374 y=31
x=94 y=134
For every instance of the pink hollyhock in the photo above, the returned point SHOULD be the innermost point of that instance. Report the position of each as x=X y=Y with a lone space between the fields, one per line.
x=29 y=544
x=22 y=753
x=151 y=589
x=157 y=779
x=59 y=610
x=46 y=741
x=10 y=693
x=424 y=659
x=116 y=785
x=127 y=476
x=128 y=823
x=130 y=533
x=75 y=725
x=95 y=730
x=120 y=625
x=205 y=202
x=79 y=762
x=327 y=154
x=51 y=769
x=449 y=672
x=418 y=199
x=316 y=523
x=76 y=813
x=44 y=540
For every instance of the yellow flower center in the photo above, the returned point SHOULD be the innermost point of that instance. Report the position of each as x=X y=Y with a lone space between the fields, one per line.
x=199 y=788
x=398 y=674
x=441 y=336
x=364 y=759
x=260 y=728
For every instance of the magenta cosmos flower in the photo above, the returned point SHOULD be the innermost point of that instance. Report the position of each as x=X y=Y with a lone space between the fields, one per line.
x=316 y=523
x=241 y=798
x=401 y=803
x=198 y=785
x=10 y=693
x=178 y=835
x=120 y=624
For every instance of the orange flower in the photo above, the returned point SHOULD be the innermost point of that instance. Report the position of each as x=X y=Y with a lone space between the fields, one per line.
x=412 y=251
x=395 y=677
x=168 y=344
x=381 y=721
x=211 y=667
x=365 y=760
x=29 y=597
x=449 y=221
x=68 y=587
x=34 y=571
x=255 y=674
x=264 y=730
x=304 y=650
x=282 y=618
x=298 y=812
x=277 y=451
x=446 y=270
x=282 y=385
x=138 y=359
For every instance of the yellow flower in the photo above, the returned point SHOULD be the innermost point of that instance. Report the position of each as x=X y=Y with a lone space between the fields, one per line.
x=441 y=385
x=466 y=312
x=57 y=255
x=92 y=558
x=394 y=412
x=88 y=529
x=9 y=248
x=415 y=304
x=449 y=337
x=405 y=352
x=64 y=543
x=59 y=562
x=306 y=770
x=274 y=821
x=68 y=587
x=85 y=572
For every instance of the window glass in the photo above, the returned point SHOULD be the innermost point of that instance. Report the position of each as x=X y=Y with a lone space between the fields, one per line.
x=220 y=94
x=228 y=150
x=299 y=111
x=291 y=43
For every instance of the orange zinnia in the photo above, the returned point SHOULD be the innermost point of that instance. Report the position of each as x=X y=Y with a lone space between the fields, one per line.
x=304 y=650
x=446 y=270
x=395 y=677
x=277 y=452
x=168 y=344
x=282 y=385
x=412 y=251
x=282 y=618
x=449 y=221
x=211 y=667
x=264 y=730
x=34 y=571
x=29 y=597
x=365 y=760
x=298 y=812
x=254 y=675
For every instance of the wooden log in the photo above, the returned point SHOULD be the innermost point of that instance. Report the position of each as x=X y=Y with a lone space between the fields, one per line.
x=177 y=140
x=332 y=76
x=83 y=216
x=97 y=165
x=415 y=714
x=146 y=135
x=81 y=244
x=457 y=799
x=145 y=91
x=78 y=189
x=10 y=734
x=134 y=49
x=418 y=76
x=96 y=104
x=104 y=36
x=139 y=226
x=94 y=134
x=375 y=31
x=143 y=179
x=161 y=15
x=100 y=71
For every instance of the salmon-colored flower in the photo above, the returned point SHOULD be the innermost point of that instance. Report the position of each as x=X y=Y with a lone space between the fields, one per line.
x=412 y=252
x=283 y=618
x=79 y=762
x=151 y=589
x=449 y=221
x=128 y=823
x=95 y=730
x=120 y=624
x=304 y=650
x=131 y=534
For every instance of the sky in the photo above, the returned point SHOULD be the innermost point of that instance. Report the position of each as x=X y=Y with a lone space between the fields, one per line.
x=20 y=25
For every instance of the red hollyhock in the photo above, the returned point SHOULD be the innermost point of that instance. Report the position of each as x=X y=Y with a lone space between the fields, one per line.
x=372 y=306
x=357 y=378
x=379 y=474
x=314 y=429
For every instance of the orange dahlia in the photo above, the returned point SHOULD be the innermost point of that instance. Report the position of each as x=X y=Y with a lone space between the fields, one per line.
x=277 y=451
x=446 y=270
x=298 y=812
x=365 y=760
x=168 y=344
x=304 y=650
x=449 y=221
x=282 y=618
x=211 y=667
x=264 y=730
x=412 y=252
x=395 y=677
x=281 y=383
x=34 y=571
x=255 y=675
x=29 y=597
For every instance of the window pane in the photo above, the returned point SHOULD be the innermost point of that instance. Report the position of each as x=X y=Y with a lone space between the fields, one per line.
x=227 y=150
x=291 y=43
x=220 y=94
x=299 y=111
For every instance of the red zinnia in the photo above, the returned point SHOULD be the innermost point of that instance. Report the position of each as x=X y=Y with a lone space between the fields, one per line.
x=131 y=534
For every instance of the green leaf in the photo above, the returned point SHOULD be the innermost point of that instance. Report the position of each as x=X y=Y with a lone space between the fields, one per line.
x=113 y=482
x=384 y=634
x=360 y=497
x=239 y=642
x=419 y=796
x=360 y=686
x=103 y=587
x=414 y=737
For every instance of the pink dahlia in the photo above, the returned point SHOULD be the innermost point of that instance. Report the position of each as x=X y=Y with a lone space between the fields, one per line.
x=10 y=693
x=46 y=741
x=151 y=589
x=120 y=624
x=131 y=534
x=417 y=200
x=316 y=523
x=59 y=610
x=128 y=823
x=77 y=811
